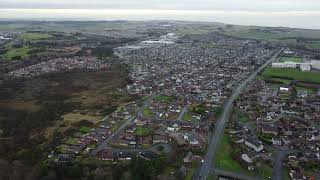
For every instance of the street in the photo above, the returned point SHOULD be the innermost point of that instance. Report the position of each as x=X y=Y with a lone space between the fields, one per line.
x=207 y=166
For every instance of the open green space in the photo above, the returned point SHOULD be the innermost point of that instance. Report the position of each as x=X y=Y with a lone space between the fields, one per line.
x=223 y=159
x=294 y=74
x=164 y=98
x=291 y=59
x=71 y=141
x=85 y=129
x=16 y=53
x=147 y=112
x=314 y=45
x=243 y=118
x=192 y=170
x=187 y=117
x=142 y=131
x=29 y=36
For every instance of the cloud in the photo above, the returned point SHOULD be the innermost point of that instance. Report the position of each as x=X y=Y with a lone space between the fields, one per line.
x=241 y=5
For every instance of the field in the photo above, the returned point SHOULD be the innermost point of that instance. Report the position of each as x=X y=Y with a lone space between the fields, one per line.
x=276 y=34
x=34 y=36
x=12 y=52
x=314 y=45
x=147 y=112
x=223 y=160
x=163 y=98
x=294 y=74
x=141 y=131
x=223 y=157
x=291 y=59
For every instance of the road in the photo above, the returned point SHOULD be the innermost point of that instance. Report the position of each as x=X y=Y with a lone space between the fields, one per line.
x=281 y=155
x=207 y=166
x=183 y=111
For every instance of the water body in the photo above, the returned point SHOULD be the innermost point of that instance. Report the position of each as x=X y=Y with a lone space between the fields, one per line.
x=296 y=19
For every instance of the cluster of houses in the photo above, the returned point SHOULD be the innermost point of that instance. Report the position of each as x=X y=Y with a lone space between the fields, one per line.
x=58 y=65
x=163 y=124
x=189 y=67
x=283 y=116
x=86 y=139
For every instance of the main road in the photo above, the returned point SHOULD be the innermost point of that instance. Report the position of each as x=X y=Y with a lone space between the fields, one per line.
x=207 y=166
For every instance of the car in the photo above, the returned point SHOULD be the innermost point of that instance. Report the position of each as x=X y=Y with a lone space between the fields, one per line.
x=202 y=160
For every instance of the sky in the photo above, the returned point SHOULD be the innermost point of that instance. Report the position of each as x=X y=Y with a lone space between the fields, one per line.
x=292 y=13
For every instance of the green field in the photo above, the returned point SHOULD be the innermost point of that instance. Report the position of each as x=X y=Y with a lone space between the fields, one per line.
x=223 y=157
x=71 y=141
x=291 y=59
x=147 y=112
x=164 y=98
x=314 y=45
x=142 y=131
x=312 y=77
x=223 y=160
x=85 y=129
x=34 y=36
x=274 y=34
x=14 y=52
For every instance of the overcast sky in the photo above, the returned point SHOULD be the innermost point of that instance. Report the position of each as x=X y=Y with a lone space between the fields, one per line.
x=298 y=13
x=247 y=5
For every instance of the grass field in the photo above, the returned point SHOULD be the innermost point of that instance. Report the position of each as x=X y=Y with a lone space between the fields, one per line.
x=85 y=129
x=34 y=36
x=13 y=52
x=223 y=157
x=312 y=77
x=224 y=161
x=291 y=59
x=314 y=45
x=163 y=98
x=141 y=131
x=147 y=112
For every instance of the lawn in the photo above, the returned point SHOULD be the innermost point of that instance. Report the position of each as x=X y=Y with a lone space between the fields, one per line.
x=142 y=131
x=147 y=112
x=14 y=52
x=34 y=36
x=314 y=45
x=291 y=59
x=243 y=118
x=224 y=161
x=71 y=141
x=223 y=157
x=312 y=77
x=190 y=173
x=187 y=117
x=164 y=98
x=85 y=129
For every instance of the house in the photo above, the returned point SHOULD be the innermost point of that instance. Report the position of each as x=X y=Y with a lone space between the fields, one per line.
x=276 y=141
x=131 y=129
x=191 y=139
x=249 y=157
x=267 y=129
x=254 y=144
x=159 y=139
x=188 y=158
x=64 y=158
x=123 y=156
x=76 y=148
x=145 y=140
x=140 y=122
x=106 y=155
